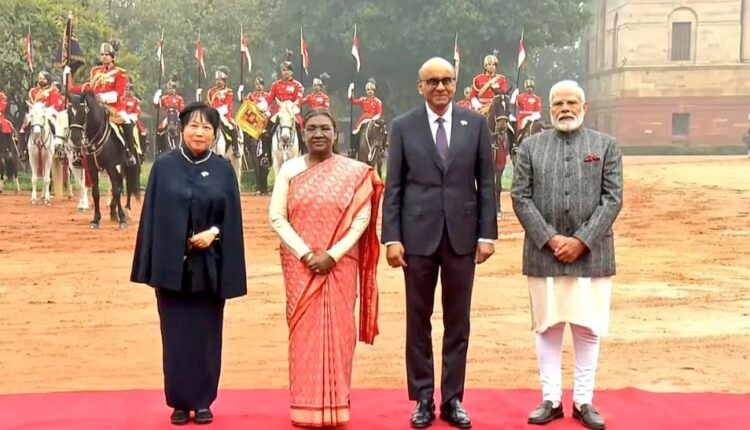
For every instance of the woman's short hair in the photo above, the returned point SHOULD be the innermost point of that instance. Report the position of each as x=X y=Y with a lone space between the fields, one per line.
x=321 y=111
x=201 y=110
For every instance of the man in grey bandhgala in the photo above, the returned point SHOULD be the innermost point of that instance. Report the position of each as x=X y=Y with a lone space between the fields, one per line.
x=567 y=192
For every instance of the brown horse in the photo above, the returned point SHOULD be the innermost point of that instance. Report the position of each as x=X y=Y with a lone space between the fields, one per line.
x=498 y=114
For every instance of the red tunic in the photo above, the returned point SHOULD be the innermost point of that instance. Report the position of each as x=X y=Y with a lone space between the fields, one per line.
x=317 y=101
x=498 y=84
x=133 y=106
x=465 y=103
x=257 y=96
x=527 y=103
x=109 y=82
x=221 y=99
x=48 y=96
x=167 y=102
x=282 y=91
x=372 y=108
x=6 y=127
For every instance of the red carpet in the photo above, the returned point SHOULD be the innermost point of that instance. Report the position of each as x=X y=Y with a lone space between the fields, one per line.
x=627 y=409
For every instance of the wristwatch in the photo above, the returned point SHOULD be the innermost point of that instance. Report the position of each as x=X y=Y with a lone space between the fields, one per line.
x=214 y=230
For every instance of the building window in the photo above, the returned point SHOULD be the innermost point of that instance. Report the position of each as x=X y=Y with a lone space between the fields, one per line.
x=681 y=32
x=680 y=124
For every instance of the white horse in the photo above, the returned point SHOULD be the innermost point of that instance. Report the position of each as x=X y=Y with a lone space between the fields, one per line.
x=41 y=150
x=78 y=174
x=285 y=142
x=223 y=149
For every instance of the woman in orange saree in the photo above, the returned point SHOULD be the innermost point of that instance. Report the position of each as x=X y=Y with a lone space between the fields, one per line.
x=324 y=208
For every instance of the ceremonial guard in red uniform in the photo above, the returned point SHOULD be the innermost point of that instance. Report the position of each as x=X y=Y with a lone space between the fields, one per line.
x=262 y=150
x=486 y=85
x=220 y=97
x=260 y=95
x=528 y=104
x=286 y=89
x=6 y=127
x=170 y=100
x=108 y=82
x=133 y=109
x=466 y=101
x=372 y=108
x=47 y=95
x=317 y=99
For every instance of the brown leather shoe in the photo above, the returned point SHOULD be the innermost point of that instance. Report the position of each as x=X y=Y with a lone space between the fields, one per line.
x=545 y=413
x=454 y=414
x=589 y=417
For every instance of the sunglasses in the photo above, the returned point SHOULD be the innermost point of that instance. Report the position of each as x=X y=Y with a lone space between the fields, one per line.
x=434 y=82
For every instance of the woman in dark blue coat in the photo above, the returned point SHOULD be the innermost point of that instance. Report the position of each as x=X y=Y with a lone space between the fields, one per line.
x=190 y=249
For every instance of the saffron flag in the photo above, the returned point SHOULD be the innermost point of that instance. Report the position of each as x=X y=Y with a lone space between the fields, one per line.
x=29 y=55
x=355 y=48
x=303 y=51
x=245 y=51
x=521 y=52
x=199 y=57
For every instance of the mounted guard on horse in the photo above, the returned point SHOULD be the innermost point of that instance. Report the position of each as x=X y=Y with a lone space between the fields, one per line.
x=372 y=109
x=529 y=106
x=102 y=128
x=489 y=96
x=169 y=131
x=286 y=89
x=108 y=83
x=221 y=97
x=252 y=119
x=317 y=99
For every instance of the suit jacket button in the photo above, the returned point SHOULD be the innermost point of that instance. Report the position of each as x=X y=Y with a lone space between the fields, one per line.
x=568 y=158
x=567 y=193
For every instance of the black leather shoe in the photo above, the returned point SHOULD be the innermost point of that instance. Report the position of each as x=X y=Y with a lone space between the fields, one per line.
x=423 y=415
x=545 y=413
x=589 y=417
x=180 y=417
x=454 y=414
x=203 y=416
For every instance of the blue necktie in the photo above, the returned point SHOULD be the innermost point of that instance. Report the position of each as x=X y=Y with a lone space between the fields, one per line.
x=441 y=140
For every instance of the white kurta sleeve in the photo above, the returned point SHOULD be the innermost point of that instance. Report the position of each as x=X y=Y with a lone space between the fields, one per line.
x=277 y=215
x=359 y=224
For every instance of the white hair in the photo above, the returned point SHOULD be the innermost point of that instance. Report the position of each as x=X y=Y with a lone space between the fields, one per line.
x=567 y=85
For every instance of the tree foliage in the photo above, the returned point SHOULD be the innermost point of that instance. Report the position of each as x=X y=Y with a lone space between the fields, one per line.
x=395 y=37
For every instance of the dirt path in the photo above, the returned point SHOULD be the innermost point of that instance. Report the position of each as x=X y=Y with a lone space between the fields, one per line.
x=680 y=319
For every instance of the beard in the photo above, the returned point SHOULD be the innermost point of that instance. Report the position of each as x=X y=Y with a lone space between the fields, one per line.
x=568 y=125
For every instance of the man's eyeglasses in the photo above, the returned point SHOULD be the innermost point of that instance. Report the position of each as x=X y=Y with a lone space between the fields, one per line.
x=434 y=82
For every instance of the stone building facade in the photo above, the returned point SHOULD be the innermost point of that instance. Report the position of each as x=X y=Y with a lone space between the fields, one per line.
x=660 y=72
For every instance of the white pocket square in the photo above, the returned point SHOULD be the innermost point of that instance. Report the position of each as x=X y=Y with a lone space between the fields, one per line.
x=463 y=122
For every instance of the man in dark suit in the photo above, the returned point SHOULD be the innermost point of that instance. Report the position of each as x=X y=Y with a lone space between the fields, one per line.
x=439 y=217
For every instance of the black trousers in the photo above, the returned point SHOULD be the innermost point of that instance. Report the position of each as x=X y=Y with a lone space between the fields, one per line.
x=457 y=280
x=191 y=333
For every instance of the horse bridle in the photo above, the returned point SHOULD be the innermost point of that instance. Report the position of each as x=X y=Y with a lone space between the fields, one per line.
x=95 y=145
